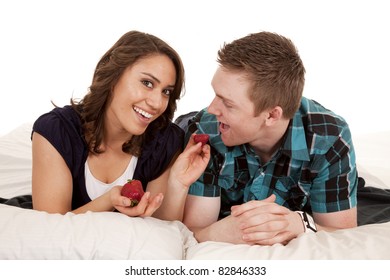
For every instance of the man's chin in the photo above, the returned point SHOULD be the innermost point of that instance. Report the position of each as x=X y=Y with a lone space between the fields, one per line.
x=226 y=141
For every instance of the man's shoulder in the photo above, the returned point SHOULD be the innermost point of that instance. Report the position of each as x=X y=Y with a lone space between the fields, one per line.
x=183 y=121
x=319 y=120
x=198 y=121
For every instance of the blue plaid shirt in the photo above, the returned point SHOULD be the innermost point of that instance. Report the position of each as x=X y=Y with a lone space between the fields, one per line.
x=314 y=170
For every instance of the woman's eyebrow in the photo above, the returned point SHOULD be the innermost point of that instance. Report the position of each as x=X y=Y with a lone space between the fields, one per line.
x=155 y=78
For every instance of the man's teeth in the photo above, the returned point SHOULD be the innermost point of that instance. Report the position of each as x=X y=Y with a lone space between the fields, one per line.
x=143 y=113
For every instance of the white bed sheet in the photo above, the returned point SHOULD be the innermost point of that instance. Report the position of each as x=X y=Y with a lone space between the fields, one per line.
x=369 y=242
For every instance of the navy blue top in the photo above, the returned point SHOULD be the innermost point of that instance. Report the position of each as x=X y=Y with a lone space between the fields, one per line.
x=62 y=128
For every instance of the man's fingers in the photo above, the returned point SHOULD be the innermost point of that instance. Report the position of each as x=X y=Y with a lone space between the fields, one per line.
x=253 y=204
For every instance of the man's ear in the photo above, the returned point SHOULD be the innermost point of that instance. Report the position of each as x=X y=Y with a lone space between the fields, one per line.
x=274 y=115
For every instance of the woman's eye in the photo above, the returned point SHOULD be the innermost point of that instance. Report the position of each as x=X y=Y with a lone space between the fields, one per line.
x=149 y=84
x=167 y=92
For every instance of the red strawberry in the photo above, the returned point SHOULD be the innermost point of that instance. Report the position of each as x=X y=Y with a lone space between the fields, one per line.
x=201 y=138
x=133 y=190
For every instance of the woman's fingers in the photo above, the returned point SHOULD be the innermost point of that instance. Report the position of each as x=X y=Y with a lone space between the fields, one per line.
x=153 y=205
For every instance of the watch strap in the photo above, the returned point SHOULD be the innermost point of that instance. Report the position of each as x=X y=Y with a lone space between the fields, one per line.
x=308 y=221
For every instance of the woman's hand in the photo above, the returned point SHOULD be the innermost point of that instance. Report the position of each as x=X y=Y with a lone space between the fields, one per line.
x=145 y=208
x=190 y=164
x=185 y=170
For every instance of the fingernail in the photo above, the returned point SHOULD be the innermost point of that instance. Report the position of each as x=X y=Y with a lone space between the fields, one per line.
x=125 y=202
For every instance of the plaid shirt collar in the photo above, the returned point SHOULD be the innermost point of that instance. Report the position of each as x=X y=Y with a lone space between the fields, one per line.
x=294 y=144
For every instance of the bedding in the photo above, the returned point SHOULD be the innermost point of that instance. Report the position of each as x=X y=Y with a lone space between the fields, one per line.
x=30 y=234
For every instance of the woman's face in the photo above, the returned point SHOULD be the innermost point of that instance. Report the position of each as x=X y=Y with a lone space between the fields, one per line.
x=141 y=94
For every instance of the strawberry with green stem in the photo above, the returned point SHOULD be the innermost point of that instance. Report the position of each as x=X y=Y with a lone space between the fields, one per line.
x=133 y=189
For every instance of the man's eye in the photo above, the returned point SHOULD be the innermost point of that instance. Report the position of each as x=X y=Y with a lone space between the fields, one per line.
x=227 y=105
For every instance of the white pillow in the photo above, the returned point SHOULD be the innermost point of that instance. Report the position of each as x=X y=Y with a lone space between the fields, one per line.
x=30 y=234
x=16 y=162
x=364 y=242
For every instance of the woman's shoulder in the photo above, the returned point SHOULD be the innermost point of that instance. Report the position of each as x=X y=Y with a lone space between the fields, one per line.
x=66 y=112
x=163 y=143
x=171 y=136
x=58 y=121
x=62 y=128
x=174 y=130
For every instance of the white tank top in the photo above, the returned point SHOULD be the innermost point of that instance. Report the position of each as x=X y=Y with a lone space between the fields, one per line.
x=96 y=188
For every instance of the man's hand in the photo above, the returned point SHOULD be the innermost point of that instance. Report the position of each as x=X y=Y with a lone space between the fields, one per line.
x=264 y=222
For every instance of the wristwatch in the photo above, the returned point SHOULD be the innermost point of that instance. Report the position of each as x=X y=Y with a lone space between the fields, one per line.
x=308 y=222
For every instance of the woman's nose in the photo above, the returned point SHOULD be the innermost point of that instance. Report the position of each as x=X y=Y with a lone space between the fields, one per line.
x=155 y=100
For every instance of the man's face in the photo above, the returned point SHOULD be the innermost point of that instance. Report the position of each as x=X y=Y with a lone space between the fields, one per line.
x=233 y=108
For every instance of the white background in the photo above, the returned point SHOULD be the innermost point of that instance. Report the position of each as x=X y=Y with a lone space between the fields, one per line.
x=275 y=269
x=49 y=49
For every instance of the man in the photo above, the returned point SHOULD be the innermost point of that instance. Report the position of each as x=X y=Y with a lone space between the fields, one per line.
x=281 y=164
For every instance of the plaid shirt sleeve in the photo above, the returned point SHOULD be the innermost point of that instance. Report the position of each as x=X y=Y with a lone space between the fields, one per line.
x=335 y=186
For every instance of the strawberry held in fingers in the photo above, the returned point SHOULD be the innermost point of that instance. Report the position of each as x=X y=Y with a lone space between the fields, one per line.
x=203 y=138
x=133 y=190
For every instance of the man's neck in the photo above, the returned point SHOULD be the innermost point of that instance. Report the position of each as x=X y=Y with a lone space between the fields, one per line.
x=271 y=142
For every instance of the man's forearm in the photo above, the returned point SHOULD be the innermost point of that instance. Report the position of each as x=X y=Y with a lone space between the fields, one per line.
x=225 y=230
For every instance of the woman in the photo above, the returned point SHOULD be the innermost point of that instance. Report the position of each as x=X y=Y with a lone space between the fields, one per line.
x=122 y=129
